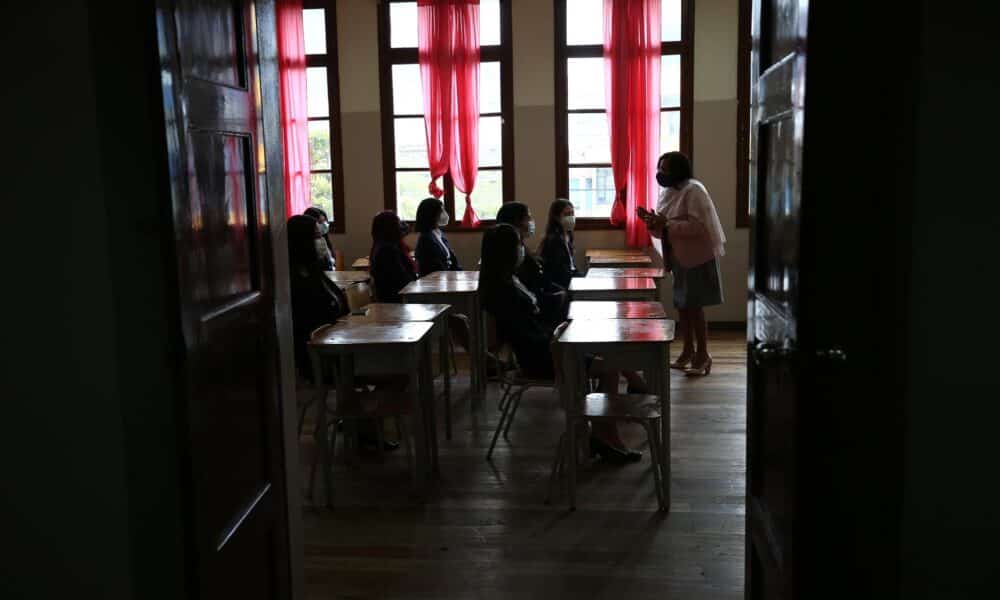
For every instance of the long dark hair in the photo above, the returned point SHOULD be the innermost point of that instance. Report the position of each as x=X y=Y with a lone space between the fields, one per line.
x=388 y=229
x=428 y=212
x=302 y=232
x=499 y=252
x=512 y=213
x=554 y=226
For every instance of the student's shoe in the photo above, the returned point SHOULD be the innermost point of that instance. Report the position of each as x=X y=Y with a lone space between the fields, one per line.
x=682 y=362
x=611 y=454
x=700 y=370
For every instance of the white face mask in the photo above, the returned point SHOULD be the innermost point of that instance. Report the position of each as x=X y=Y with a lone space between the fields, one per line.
x=444 y=219
x=531 y=229
x=324 y=227
x=520 y=254
x=568 y=222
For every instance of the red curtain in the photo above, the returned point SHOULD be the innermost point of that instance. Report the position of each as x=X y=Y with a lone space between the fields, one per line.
x=294 y=115
x=632 y=83
x=448 y=33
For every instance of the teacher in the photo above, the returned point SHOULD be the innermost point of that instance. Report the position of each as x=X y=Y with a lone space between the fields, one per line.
x=693 y=240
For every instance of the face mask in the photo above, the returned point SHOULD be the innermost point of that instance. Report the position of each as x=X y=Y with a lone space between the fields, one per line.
x=663 y=179
x=520 y=255
x=531 y=229
x=404 y=228
x=568 y=222
x=324 y=228
x=444 y=219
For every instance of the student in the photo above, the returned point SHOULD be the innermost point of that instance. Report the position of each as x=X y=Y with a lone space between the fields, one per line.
x=687 y=221
x=517 y=314
x=316 y=301
x=433 y=251
x=391 y=266
x=324 y=250
x=552 y=298
x=557 y=248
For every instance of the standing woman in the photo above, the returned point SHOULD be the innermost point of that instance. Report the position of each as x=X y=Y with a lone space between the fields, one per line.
x=391 y=266
x=557 y=248
x=687 y=222
x=433 y=251
x=324 y=250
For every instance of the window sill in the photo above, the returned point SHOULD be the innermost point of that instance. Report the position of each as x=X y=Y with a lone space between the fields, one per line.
x=591 y=224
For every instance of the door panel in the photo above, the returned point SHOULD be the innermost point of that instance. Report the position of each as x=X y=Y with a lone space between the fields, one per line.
x=236 y=521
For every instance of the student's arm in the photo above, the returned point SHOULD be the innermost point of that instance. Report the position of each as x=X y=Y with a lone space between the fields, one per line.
x=687 y=228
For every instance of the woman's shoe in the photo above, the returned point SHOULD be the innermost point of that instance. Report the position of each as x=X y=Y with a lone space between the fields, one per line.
x=700 y=369
x=682 y=362
x=611 y=454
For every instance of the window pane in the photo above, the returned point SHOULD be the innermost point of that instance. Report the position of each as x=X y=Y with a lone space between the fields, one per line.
x=670 y=15
x=411 y=143
x=585 y=83
x=670 y=81
x=319 y=145
x=489 y=87
x=411 y=188
x=314 y=30
x=403 y=25
x=584 y=22
x=589 y=140
x=592 y=191
x=490 y=142
x=317 y=99
x=670 y=131
x=407 y=91
x=486 y=198
x=489 y=23
x=322 y=192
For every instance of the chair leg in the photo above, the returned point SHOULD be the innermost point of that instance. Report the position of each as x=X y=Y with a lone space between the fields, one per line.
x=496 y=434
x=510 y=418
x=652 y=434
x=556 y=466
x=454 y=365
x=380 y=437
x=302 y=415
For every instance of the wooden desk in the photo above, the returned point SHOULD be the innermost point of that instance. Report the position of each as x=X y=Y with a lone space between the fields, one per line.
x=601 y=288
x=463 y=296
x=626 y=273
x=407 y=313
x=607 y=252
x=349 y=345
x=630 y=344
x=591 y=310
x=452 y=276
x=361 y=264
x=347 y=277
x=619 y=262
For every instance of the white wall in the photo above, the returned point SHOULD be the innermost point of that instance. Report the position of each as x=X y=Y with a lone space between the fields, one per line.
x=534 y=128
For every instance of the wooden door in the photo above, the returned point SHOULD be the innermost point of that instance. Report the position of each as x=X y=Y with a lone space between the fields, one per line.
x=778 y=84
x=235 y=517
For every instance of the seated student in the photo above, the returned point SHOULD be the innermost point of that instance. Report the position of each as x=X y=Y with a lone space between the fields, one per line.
x=517 y=314
x=556 y=248
x=324 y=250
x=433 y=251
x=391 y=266
x=552 y=298
x=316 y=301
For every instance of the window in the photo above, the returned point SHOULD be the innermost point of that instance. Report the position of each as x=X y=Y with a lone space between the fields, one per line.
x=319 y=22
x=583 y=152
x=404 y=142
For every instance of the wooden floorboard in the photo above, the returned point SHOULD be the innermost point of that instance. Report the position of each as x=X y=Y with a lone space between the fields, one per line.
x=485 y=532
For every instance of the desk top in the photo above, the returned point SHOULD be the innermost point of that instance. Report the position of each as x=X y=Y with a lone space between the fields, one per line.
x=591 y=284
x=347 y=333
x=383 y=312
x=615 y=310
x=452 y=276
x=627 y=259
x=361 y=264
x=347 y=276
x=626 y=272
x=440 y=286
x=608 y=252
x=618 y=331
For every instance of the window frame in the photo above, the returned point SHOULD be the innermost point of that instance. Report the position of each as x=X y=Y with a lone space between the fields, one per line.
x=744 y=47
x=330 y=60
x=684 y=48
x=388 y=57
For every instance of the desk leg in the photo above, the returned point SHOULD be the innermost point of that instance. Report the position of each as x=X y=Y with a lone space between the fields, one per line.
x=428 y=400
x=320 y=434
x=572 y=367
x=663 y=375
x=345 y=388
x=443 y=350
x=418 y=409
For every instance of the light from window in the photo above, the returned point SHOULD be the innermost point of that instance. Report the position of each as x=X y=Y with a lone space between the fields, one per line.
x=314 y=30
x=403 y=24
x=585 y=22
x=319 y=110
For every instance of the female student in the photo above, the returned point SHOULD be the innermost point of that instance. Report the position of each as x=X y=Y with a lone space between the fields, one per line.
x=557 y=248
x=687 y=221
x=391 y=266
x=433 y=251
x=533 y=273
x=316 y=301
x=517 y=314
x=324 y=247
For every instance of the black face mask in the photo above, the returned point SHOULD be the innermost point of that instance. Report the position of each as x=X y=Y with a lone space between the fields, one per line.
x=665 y=180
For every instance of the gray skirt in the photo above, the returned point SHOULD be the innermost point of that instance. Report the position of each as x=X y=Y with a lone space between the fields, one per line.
x=698 y=286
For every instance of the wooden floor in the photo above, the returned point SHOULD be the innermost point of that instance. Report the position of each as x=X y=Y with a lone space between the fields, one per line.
x=485 y=532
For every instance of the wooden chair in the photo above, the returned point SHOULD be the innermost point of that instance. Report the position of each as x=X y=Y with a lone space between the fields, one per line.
x=643 y=409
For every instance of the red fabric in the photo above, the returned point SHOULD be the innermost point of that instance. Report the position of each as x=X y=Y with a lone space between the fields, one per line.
x=294 y=111
x=448 y=33
x=632 y=77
